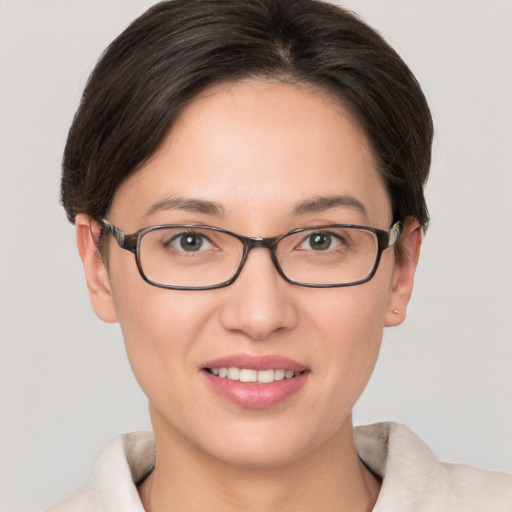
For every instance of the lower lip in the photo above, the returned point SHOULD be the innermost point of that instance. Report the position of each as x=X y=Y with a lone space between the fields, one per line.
x=253 y=395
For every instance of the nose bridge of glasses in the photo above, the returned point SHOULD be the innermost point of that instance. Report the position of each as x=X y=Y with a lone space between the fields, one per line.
x=257 y=242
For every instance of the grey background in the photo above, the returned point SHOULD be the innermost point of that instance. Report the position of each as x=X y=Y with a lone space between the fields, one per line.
x=65 y=385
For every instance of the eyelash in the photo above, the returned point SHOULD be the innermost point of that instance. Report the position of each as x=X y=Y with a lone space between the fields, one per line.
x=179 y=237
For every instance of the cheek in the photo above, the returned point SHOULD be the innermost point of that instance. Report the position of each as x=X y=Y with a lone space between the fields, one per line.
x=356 y=313
x=352 y=323
x=158 y=326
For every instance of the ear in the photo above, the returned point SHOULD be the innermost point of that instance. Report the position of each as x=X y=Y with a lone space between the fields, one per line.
x=403 y=278
x=96 y=274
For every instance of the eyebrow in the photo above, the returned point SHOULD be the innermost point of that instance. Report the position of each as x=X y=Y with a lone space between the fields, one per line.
x=202 y=206
x=186 y=204
x=323 y=203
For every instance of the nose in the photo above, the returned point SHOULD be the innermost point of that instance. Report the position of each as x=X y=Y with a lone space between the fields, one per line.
x=260 y=302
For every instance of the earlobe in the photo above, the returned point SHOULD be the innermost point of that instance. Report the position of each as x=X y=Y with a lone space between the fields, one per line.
x=403 y=278
x=96 y=275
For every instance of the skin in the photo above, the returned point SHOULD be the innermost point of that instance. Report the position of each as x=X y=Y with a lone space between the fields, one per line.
x=256 y=148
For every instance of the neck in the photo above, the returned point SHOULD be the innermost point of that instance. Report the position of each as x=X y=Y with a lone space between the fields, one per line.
x=331 y=477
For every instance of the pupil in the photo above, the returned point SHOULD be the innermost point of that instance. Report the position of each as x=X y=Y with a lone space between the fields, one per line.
x=191 y=242
x=321 y=241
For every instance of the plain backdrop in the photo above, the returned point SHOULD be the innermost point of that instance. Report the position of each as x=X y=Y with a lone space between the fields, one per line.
x=65 y=385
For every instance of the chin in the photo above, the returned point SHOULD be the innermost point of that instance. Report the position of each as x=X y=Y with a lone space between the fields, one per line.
x=262 y=445
x=254 y=457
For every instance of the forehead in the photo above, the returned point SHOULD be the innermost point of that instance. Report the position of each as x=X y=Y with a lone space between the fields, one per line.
x=258 y=148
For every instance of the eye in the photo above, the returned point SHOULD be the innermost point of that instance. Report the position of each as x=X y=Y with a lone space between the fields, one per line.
x=320 y=241
x=190 y=242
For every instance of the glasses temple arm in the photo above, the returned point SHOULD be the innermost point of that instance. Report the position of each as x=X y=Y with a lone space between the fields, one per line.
x=119 y=235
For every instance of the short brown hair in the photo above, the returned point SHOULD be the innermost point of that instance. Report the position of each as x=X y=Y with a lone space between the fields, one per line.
x=179 y=48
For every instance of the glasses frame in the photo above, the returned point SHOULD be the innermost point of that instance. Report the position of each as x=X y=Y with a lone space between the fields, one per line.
x=131 y=243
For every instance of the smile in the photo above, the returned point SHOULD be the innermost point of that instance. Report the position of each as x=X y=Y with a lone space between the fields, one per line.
x=255 y=381
x=250 y=375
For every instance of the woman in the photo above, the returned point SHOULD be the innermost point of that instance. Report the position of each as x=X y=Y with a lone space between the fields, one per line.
x=246 y=181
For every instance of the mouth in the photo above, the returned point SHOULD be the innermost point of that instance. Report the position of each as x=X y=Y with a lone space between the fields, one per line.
x=255 y=382
x=249 y=375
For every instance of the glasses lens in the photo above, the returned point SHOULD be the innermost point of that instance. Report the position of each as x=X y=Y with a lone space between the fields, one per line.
x=327 y=256
x=189 y=257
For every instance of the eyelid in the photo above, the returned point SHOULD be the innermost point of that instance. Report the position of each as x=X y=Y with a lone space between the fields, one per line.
x=177 y=236
x=334 y=237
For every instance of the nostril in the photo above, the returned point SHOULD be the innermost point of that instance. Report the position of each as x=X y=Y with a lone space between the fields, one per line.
x=258 y=313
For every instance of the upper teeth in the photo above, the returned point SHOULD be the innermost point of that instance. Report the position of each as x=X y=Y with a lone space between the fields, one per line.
x=247 y=375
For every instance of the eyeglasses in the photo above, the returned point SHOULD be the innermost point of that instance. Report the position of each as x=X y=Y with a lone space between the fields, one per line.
x=189 y=257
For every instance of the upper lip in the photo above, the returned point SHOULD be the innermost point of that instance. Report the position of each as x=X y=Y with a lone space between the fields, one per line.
x=256 y=362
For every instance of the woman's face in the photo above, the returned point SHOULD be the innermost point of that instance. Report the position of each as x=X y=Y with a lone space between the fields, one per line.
x=264 y=154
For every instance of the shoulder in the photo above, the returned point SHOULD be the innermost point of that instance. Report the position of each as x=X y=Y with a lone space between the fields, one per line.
x=113 y=485
x=413 y=479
